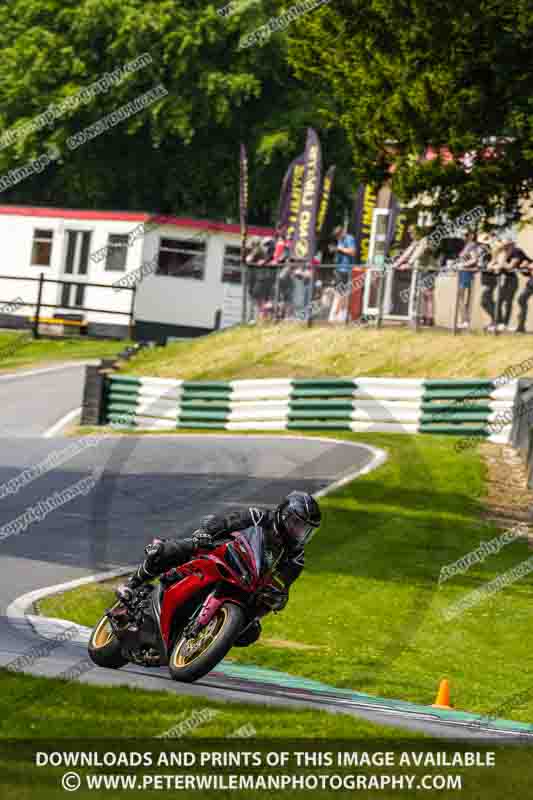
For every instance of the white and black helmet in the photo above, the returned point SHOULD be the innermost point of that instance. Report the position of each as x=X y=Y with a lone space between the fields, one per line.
x=297 y=518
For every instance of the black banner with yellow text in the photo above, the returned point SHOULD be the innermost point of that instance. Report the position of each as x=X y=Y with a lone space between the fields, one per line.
x=304 y=241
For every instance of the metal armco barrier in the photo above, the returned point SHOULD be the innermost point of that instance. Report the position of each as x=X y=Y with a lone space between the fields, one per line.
x=390 y=405
x=522 y=430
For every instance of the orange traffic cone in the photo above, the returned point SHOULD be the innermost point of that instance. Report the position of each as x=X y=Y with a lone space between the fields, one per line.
x=442 y=699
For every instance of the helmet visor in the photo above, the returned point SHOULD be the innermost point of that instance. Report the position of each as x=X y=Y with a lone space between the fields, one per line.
x=298 y=530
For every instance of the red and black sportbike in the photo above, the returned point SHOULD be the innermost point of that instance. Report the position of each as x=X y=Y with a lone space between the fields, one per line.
x=193 y=617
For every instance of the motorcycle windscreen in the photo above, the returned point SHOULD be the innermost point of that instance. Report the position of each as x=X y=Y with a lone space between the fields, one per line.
x=255 y=552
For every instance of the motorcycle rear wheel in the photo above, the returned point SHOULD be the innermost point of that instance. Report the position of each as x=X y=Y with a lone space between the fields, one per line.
x=191 y=659
x=104 y=647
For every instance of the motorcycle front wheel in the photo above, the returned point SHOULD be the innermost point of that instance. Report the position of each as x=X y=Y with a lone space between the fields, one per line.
x=104 y=647
x=191 y=659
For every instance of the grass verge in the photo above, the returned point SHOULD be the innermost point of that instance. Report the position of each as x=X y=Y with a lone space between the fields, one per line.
x=294 y=351
x=19 y=350
x=46 y=707
x=369 y=600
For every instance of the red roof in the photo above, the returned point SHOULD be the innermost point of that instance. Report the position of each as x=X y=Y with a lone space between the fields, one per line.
x=131 y=216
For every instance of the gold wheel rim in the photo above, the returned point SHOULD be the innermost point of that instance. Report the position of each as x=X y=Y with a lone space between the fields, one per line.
x=103 y=635
x=207 y=638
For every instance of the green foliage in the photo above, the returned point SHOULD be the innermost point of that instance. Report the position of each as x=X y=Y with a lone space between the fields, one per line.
x=179 y=154
x=414 y=74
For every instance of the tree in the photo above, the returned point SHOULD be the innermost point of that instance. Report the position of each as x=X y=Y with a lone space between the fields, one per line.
x=180 y=154
x=402 y=75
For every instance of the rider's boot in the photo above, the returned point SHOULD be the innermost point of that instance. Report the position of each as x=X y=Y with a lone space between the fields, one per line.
x=249 y=635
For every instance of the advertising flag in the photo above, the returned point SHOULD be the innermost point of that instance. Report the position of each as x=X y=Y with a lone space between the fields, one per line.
x=365 y=201
x=289 y=200
x=324 y=200
x=303 y=242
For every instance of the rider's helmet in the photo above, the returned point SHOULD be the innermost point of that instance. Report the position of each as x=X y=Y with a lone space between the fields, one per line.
x=297 y=518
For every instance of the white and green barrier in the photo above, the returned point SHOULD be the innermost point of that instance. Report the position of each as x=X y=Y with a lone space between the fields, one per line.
x=394 y=405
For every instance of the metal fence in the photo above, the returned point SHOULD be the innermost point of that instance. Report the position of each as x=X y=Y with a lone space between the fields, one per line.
x=66 y=317
x=303 y=293
x=325 y=294
x=381 y=294
x=522 y=430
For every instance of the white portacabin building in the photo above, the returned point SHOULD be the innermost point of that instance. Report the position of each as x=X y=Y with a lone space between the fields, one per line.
x=191 y=283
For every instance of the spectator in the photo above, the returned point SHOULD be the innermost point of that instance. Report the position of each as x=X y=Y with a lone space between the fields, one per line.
x=268 y=244
x=419 y=255
x=511 y=261
x=259 y=283
x=301 y=295
x=489 y=263
x=344 y=254
x=468 y=260
x=326 y=301
x=281 y=248
x=491 y=251
x=426 y=263
x=522 y=262
x=286 y=290
x=405 y=260
x=255 y=252
x=344 y=262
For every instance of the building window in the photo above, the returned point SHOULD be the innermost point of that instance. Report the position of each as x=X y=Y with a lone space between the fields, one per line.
x=231 y=268
x=180 y=258
x=41 y=251
x=117 y=252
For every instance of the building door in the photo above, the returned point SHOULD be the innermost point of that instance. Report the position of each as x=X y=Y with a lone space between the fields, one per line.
x=76 y=266
x=394 y=286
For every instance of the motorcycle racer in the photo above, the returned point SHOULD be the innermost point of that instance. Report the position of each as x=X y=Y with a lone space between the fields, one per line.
x=287 y=529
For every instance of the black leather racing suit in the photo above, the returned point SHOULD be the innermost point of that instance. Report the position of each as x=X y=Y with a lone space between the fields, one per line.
x=171 y=553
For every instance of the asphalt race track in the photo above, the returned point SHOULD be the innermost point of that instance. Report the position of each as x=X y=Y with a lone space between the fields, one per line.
x=159 y=485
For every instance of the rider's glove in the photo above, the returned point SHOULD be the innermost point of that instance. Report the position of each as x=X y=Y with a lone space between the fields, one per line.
x=154 y=548
x=125 y=593
x=202 y=540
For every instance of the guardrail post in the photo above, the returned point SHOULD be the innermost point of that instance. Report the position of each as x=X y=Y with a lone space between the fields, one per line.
x=38 y=308
x=93 y=406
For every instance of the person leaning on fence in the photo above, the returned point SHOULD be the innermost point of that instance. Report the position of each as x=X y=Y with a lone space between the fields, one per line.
x=490 y=260
x=286 y=290
x=426 y=263
x=419 y=255
x=405 y=259
x=259 y=288
x=301 y=295
x=509 y=287
x=281 y=247
x=524 y=262
x=468 y=259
